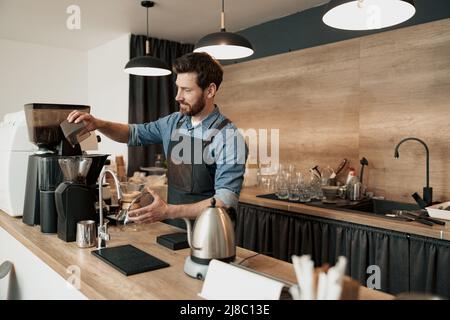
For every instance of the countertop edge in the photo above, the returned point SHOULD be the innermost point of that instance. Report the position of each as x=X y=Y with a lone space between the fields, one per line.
x=249 y=196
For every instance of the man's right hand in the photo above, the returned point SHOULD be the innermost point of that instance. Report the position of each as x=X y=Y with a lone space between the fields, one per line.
x=116 y=131
x=89 y=121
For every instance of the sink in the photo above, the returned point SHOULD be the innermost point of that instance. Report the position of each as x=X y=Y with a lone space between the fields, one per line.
x=382 y=207
x=373 y=206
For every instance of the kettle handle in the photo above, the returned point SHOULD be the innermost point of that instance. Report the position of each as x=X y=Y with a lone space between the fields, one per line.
x=230 y=211
x=189 y=234
x=232 y=214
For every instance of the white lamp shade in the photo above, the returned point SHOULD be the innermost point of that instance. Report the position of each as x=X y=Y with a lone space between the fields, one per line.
x=147 y=66
x=226 y=52
x=224 y=46
x=155 y=72
x=367 y=14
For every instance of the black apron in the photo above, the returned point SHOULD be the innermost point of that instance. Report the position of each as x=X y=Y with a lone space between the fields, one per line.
x=194 y=182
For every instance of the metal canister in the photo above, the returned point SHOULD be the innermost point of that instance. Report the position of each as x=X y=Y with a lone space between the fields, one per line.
x=355 y=191
x=86 y=234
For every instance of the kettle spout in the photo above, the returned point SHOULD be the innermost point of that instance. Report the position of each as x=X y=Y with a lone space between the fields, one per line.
x=189 y=231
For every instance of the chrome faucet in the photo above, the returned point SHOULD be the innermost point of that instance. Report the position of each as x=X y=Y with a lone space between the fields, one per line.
x=427 y=191
x=103 y=234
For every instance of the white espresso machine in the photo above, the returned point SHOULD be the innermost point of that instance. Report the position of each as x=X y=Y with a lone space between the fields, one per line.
x=15 y=148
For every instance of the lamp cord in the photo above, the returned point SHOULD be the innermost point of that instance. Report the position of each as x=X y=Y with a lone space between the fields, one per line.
x=147 y=41
x=222 y=16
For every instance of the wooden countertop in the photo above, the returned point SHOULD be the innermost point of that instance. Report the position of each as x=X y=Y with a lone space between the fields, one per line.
x=249 y=195
x=100 y=281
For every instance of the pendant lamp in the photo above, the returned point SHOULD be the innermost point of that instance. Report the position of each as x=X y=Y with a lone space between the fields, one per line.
x=367 y=14
x=224 y=45
x=147 y=65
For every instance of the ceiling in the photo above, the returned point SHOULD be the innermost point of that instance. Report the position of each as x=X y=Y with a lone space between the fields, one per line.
x=44 y=21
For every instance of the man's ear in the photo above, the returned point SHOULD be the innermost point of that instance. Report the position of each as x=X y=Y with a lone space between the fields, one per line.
x=211 y=91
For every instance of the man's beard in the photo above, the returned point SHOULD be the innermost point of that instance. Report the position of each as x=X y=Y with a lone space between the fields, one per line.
x=193 y=110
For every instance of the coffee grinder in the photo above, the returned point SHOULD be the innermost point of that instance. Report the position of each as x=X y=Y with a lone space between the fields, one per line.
x=75 y=198
x=43 y=122
x=50 y=176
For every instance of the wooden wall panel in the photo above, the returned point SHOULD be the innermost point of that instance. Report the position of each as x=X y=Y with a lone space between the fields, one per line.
x=405 y=85
x=355 y=98
x=311 y=96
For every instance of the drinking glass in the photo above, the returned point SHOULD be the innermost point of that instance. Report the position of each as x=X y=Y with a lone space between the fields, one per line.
x=305 y=193
x=296 y=181
x=267 y=177
x=282 y=187
x=294 y=192
x=291 y=168
x=315 y=186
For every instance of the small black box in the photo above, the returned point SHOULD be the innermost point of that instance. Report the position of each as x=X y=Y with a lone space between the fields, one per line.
x=173 y=241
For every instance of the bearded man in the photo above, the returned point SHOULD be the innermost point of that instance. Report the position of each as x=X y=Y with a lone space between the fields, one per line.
x=205 y=152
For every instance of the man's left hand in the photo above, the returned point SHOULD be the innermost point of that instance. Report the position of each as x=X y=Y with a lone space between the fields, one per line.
x=154 y=212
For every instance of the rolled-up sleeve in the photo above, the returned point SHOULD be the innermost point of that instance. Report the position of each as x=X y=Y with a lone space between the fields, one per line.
x=230 y=169
x=229 y=198
x=149 y=133
x=144 y=134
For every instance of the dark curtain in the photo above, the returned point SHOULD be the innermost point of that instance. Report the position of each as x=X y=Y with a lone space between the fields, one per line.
x=151 y=97
x=281 y=234
x=430 y=265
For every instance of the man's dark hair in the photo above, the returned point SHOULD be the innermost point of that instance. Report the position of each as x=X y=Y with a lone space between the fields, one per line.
x=207 y=68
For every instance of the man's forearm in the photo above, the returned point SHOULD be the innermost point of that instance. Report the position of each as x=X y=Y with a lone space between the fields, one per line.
x=116 y=131
x=190 y=211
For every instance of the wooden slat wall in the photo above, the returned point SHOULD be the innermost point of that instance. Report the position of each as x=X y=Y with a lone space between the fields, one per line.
x=355 y=98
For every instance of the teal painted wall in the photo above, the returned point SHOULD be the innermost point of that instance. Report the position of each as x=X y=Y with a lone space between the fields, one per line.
x=305 y=29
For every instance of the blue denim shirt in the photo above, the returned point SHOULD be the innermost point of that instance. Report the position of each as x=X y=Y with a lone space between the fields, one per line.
x=229 y=162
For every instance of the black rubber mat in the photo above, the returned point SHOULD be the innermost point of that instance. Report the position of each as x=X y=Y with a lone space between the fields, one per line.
x=129 y=260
